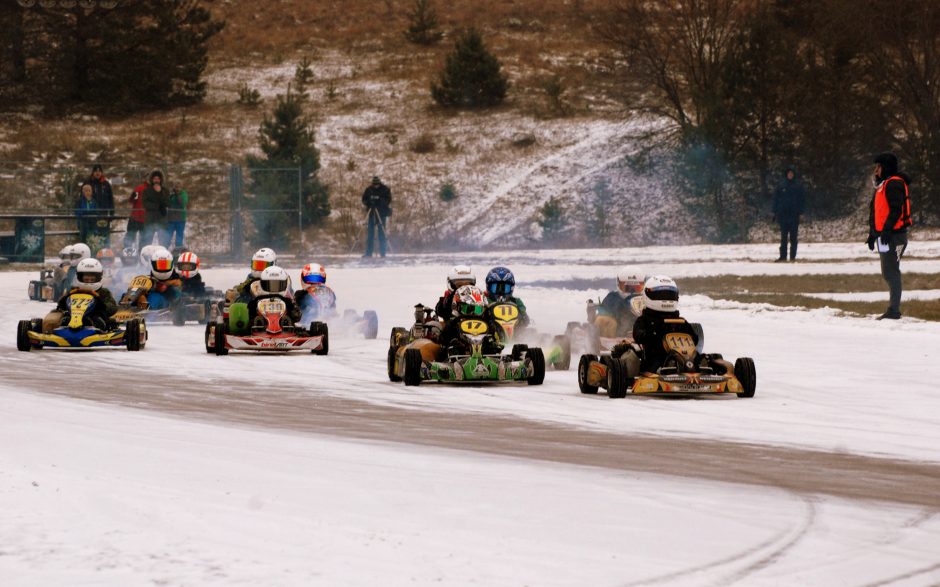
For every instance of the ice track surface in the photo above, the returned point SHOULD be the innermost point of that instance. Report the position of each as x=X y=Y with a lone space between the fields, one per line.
x=171 y=466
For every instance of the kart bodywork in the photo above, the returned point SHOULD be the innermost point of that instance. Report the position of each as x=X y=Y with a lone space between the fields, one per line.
x=271 y=330
x=77 y=331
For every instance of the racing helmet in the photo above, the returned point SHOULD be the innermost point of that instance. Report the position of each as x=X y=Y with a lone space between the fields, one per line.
x=261 y=260
x=660 y=293
x=129 y=256
x=459 y=276
x=630 y=281
x=187 y=265
x=274 y=280
x=469 y=301
x=161 y=264
x=79 y=251
x=65 y=254
x=146 y=253
x=89 y=274
x=500 y=282
x=106 y=257
x=313 y=273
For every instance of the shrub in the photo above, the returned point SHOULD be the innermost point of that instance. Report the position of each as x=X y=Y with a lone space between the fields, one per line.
x=448 y=192
x=472 y=77
x=422 y=27
x=423 y=144
x=248 y=97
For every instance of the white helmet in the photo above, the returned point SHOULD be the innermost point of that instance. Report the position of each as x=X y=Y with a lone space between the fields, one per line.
x=660 y=293
x=460 y=275
x=79 y=251
x=89 y=275
x=161 y=264
x=146 y=253
x=629 y=280
x=65 y=254
x=261 y=260
x=187 y=265
x=274 y=280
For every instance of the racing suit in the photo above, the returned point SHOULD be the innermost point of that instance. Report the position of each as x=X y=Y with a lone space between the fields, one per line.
x=650 y=330
x=450 y=335
x=618 y=306
x=293 y=311
x=100 y=314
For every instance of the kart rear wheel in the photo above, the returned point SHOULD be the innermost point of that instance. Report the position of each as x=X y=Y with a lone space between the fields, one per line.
x=619 y=378
x=35 y=290
x=700 y=332
x=392 y=355
x=517 y=350
x=22 y=336
x=537 y=359
x=179 y=315
x=413 y=362
x=220 y=329
x=371 y=329
x=746 y=373
x=583 y=365
x=397 y=335
x=321 y=329
x=563 y=361
x=132 y=334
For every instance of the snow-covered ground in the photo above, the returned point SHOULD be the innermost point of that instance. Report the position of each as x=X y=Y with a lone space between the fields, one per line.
x=109 y=494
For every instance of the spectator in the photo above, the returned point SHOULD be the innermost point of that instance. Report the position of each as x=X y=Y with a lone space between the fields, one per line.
x=889 y=215
x=135 y=224
x=86 y=212
x=177 y=203
x=154 y=210
x=378 y=201
x=788 y=212
x=104 y=196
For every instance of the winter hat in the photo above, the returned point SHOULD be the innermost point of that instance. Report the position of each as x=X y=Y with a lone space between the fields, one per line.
x=156 y=173
x=889 y=164
x=97 y=167
x=376 y=180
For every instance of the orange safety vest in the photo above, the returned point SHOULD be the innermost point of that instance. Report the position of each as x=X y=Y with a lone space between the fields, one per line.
x=882 y=208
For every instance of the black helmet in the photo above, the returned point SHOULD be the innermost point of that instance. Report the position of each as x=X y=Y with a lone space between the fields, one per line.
x=888 y=162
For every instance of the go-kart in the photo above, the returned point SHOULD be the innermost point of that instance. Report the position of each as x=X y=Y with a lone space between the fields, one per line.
x=270 y=330
x=50 y=285
x=475 y=357
x=79 y=331
x=134 y=304
x=685 y=371
x=507 y=315
x=320 y=305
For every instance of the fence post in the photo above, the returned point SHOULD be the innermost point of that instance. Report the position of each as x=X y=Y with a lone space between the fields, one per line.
x=300 y=210
x=236 y=233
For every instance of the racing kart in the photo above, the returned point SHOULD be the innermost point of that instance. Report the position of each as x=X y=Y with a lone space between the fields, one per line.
x=320 y=305
x=507 y=315
x=133 y=303
x=271 y=330
x=685 y=371
x=79 y=331
x=50 y=285
x=415 y=356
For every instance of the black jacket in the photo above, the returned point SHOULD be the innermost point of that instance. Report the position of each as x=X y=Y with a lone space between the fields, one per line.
x=619 y=308
x=378 y=197
x=895 y=194
x=155 y=205
x=194 y=287
x=789 y=201
x=104 y=307
x=651 y=328
x=103 y=195
x=451 y=333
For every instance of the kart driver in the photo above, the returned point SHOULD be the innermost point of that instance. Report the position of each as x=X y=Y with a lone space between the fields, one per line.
x=659 y=318
x=459 y=276
x=89 y=276
x=469 y=303
x=616 y=315
x=274 y=283
x=167 y=285
x=315 y=297
x=500 y=283
x=261 y=260
x=191 y=284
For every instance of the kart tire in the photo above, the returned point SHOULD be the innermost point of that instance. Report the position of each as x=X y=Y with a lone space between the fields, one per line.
x=207 y=335
x=398 y=334
x=563 y=363
x=517 y=350
x=22 y=336
x=698 y=330
x=413 y=362
x=238 y=318
x=35 y=291
x=206 y=312
x=392 y=375
x=371 y=329
x=179 y=315
x=618 y=378
x=537 y=359
x=132 y=334
x=746 y=373
x=321 y=329
x=583 y=365
x=220 y=329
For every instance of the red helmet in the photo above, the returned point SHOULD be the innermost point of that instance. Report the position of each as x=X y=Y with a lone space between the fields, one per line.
x=313 y=273
x=187 y=265
x=469 y=300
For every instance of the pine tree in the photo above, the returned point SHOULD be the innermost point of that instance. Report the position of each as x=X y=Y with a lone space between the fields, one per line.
x=287 y=140
x=303 y=77
x=422 y=27
x=472 y=76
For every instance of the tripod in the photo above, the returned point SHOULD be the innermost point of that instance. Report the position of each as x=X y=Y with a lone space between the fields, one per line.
x=380 y=224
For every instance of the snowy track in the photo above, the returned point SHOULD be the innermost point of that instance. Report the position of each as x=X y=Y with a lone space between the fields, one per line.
x=831 y=474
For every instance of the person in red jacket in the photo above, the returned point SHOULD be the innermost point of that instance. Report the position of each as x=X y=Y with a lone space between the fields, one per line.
x=889 y=215
x=135 y=224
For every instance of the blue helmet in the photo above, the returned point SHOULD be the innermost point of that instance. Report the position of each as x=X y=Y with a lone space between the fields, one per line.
x=500 y=282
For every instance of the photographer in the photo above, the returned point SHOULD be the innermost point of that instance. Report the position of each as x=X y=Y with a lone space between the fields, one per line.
x=378 y=200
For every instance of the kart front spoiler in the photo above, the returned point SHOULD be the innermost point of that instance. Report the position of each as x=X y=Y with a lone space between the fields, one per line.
x=472 y=369
x=273 y=343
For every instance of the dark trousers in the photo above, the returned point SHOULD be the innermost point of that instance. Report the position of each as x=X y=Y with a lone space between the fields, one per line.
x=891 y=270
x=376 y=224
x=789 y=229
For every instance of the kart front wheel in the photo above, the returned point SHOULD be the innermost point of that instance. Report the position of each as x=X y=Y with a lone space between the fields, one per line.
x=132 y=334
x=413 y=362
x=321 y=329
x=619 y=377
x=537 y=361
x=583 y=365
x=392 y=355
x=562 y=350
x=208 y=337
x=397 y=335
x=22 y=336
x=220 y=328
x=371 y=328
x=746 y=373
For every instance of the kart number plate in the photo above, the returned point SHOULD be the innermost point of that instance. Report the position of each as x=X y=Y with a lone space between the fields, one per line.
x=505 y=312
x=80 y=302
x=271 y=306
x=140 y=282
x=473 y=327
x=680 y=342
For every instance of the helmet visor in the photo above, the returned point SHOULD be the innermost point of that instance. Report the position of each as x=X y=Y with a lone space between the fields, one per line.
x=88 y=277
x=162 y=264
x=186 y=266
x=259 y=264
x=470 y=309
x=499 y=288
x=663 y=293
x=313 y=278
x=274 y=285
